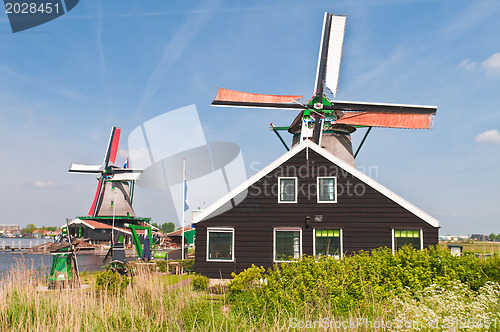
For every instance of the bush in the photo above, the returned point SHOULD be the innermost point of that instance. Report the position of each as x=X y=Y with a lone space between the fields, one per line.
x=200 y=283
x=187 y=264
x=110 y=281
x=353 y=282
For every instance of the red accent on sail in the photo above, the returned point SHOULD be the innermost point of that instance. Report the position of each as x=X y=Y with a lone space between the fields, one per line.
x=237 y=96
x=388 y=120
x=114 y=145
x=94 y=203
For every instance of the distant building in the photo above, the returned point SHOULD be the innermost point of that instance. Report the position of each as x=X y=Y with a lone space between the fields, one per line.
x=479 y=237
x=5 y=227
x=176 y=236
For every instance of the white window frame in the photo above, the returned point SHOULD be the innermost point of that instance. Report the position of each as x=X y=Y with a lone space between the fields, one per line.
x=341 y=241
x=220 y=229
x=279 y=189
x=402 y=228
x=286 y=229
x=335 y=188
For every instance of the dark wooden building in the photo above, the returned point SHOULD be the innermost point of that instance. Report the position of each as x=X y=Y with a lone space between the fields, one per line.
x=307 y=202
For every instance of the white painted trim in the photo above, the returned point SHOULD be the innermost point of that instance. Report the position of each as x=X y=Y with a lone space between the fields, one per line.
x=285 y=229
x=295 y=187
x=281 y=106
x=381 y=104
x=341 y=243
x=220 y=230
x=406 y=229
x=342 y=164
x=316 y=87
x=334 y=185
x=341 y=249
x=78 y=221
x=393 y=241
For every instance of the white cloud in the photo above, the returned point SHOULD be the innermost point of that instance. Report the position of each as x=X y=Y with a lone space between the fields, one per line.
x=489 y=136
x=123 y=153
x=492 y=65
x=41 y=184
x=467 y=64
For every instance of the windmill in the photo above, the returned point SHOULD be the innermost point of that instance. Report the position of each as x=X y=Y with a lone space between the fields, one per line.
x=327 y=121
x=113 y=187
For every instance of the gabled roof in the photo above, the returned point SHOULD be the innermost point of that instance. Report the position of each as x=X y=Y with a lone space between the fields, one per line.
x=179 y=231
x=329 y=156
x=99 y=225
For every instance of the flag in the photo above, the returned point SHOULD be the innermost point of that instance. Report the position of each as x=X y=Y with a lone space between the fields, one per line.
x=125 y=166
x=186 y=206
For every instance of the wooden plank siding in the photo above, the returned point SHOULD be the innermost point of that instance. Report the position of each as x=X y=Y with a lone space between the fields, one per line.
x=365 y=216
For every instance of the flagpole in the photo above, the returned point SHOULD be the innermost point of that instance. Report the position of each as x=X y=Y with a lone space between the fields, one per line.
x=183 y=200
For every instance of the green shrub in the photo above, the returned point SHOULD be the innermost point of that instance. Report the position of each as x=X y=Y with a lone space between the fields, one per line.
x=110 y=281
x=188 y=264
x=162 y=266
x=200 y=283
x=353 y=282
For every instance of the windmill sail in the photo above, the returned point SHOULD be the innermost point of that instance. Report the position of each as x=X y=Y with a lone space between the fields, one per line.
x=79 y=168
x=388 y=120
x=111 y=179
x=338 y=118
x=232 y=98
x=330 y=53
x=112 y=150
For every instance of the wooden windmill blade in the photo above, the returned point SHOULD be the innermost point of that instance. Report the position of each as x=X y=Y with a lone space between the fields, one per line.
x=356 y=106
x=388 y=120
x=112 y=150
x=232 y=98
x=97 y=198
x=330 y=54
x=80 y=168
x=126 y=174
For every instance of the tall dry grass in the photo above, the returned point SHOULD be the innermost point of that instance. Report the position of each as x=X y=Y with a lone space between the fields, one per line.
x=155 y=303
x=152 y=304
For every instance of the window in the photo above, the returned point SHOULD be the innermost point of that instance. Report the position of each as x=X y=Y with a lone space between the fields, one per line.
x=220 y=246
x=287 y=190
x=410 y=237
x=327 y=192
x=328 y=242
x=287 y=244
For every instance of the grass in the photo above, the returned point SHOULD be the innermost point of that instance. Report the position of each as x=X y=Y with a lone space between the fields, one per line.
x=153 y=304
x=480 y=247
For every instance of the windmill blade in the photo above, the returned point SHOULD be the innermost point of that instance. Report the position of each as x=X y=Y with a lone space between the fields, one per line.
x=97 y=198
x=330 y=53
x=111 y=151
x=353 y=106
x=127 y=170
x=79 y=168
x=126 y=176
x=231 y=98
x=388 y=120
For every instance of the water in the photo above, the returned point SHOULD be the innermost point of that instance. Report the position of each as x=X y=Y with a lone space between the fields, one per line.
x=8 y=260
x=23 y=242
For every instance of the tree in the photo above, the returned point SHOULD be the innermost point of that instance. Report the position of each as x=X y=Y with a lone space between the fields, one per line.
x=30 y=228
x=492 y=237
x=156 y=225
x=168 y=227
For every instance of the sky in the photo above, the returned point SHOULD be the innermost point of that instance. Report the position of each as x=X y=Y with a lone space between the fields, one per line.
x=64 y=84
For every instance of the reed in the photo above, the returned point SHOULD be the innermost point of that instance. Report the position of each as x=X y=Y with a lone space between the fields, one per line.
x=158 y=302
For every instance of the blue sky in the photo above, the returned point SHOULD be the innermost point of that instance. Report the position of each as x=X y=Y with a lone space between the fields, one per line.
x=65 y=83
